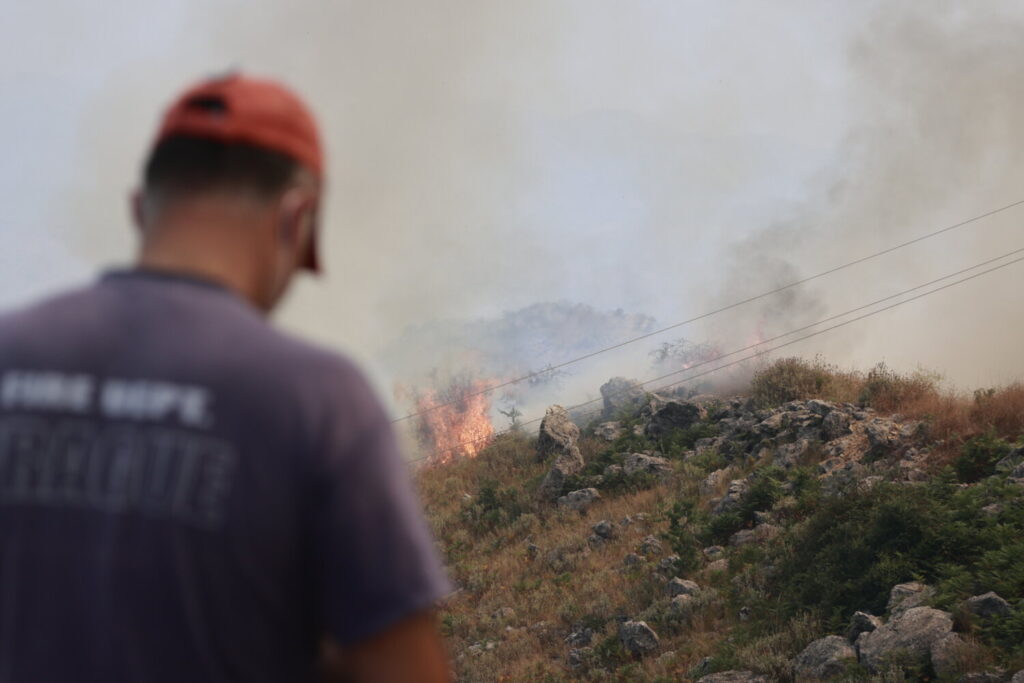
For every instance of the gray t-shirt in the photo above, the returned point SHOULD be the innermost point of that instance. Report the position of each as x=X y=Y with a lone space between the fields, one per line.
x=187 y=494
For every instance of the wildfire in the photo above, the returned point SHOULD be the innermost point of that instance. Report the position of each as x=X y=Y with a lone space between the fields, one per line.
x=455 y=421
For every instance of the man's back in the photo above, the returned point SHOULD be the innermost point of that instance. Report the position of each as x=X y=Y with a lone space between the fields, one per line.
x=186 y=494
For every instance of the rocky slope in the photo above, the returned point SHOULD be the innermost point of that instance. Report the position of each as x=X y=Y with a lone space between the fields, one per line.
x=712 y=539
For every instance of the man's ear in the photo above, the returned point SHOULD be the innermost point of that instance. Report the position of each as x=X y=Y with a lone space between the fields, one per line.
x=137 y=208
x=297 y=215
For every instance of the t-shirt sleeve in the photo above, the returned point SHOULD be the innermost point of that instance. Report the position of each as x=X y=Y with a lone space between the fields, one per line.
x=377 y=561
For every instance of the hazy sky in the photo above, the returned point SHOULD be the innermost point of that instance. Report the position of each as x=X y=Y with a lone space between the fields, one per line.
x=660 y=157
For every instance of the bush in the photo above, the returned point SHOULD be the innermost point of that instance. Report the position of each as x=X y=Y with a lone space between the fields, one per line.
x=494 y=507
x=679 y=440
x=979 y=457
x=887 y=390
x=848 y=554
x=790 y=379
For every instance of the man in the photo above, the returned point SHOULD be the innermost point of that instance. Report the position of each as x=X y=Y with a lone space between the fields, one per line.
x=187 y=494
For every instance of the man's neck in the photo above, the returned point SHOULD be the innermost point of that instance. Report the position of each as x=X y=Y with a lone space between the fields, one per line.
x=209 y=243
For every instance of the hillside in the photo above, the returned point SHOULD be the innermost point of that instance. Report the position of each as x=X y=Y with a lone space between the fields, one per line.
x=839 y=525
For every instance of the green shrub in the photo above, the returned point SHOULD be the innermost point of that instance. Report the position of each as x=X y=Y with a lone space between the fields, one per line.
x=681 y=538
x=979 y=457
x=848 y=553
x=679 y=440
x=494 y=507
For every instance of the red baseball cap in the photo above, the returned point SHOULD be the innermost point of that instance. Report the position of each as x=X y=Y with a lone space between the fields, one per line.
x=241 y=109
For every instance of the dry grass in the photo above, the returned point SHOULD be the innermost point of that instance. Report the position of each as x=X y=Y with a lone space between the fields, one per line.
x=565 y=582
x=953 y=416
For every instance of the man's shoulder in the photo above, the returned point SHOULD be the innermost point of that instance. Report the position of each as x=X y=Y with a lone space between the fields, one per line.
x=68 y=304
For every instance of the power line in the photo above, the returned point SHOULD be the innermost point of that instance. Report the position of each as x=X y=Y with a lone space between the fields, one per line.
x=786 y=334
x=702 y=316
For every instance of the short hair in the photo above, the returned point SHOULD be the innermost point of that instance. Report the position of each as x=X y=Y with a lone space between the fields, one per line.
x=180 y=165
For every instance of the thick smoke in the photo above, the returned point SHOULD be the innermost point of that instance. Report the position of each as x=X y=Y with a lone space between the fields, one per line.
x=662 y=159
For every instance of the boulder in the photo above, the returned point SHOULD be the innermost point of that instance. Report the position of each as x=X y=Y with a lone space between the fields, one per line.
x=792 y=454
x=835 y=426
x=579 y=500
x=743 y=537
x=883 y=437
x=717 y=566
x=558 y=437
x=732 y=498
x=581 y=637
x=632 y=559
x=982 y=677
x=682 y=605
x=604 y=529
x=650 y=546
x=620 y=394
x=558 y=433
x=674 y=415
x=713 y=552
x=904 y=596
x=759 y=534
x=679 y=586
x=861 y=622
x=1018 y=677
x=609 y=431
x=824 y=658
x=668 y=566
x=712 y=482
x=565 y=466
x=637 y=637
x=946 y=654
x=907 y=638
x=988 y=605
x=649 y=464
x=733 y=677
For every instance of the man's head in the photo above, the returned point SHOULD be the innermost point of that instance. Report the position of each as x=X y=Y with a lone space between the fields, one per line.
x=232 y=187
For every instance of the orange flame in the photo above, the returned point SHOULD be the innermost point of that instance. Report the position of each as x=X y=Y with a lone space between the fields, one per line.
x=455 y=422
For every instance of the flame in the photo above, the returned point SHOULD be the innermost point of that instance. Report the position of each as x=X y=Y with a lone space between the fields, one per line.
x=455 y=422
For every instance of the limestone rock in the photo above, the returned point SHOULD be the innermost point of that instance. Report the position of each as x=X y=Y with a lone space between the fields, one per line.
x=649 y=464
x=908 y=636
x=604 y=529
x=982 y=677
x=712 y=482
x=824 y=658
x=621 y=394
x=861 y=622
x=558 y=436
x=637 y=637
x=733 y=677
x=945 y=655
x=904 y=596
x=674 y=415
x=581 y=637
x=679 y=586
x=557 y=433
x=835 y=426
x=733 y=497
x=713 y=552
x=632 y=559
x=579 y=500
x=988 y=605
x=609 y=431
x=650 y=546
